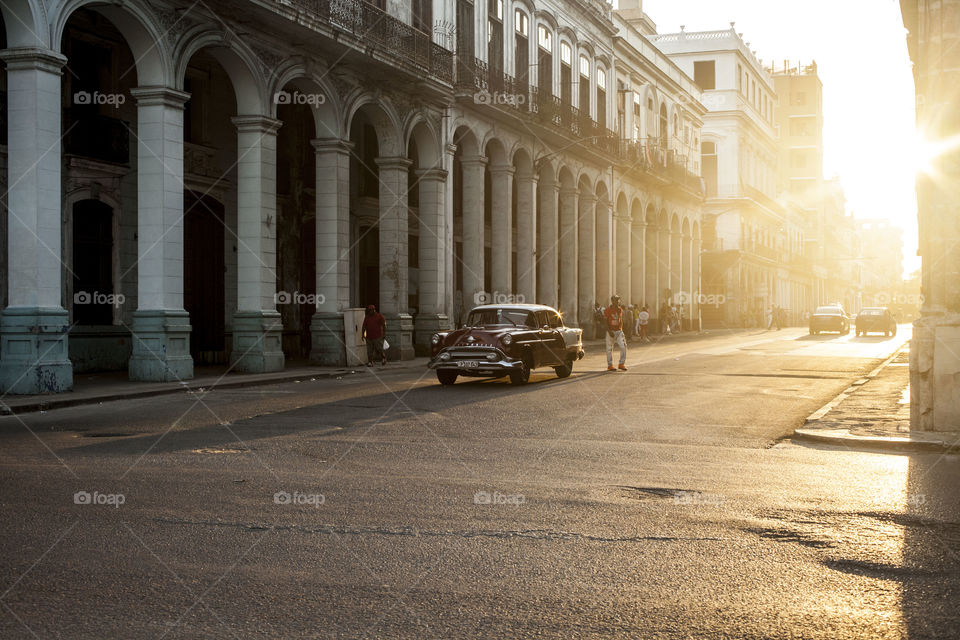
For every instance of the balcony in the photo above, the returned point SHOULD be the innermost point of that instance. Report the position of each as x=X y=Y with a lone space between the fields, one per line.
x=373 y=26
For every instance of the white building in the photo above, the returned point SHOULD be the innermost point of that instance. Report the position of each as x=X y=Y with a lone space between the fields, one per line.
x=234 y=176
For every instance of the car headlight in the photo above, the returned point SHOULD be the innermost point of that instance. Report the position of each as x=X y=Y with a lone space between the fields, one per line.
x=491 y=357
x=435 y=339
x=444 y=356
x=507 y=339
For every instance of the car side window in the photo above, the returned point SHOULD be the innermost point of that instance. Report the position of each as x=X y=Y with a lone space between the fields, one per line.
x=554 y=320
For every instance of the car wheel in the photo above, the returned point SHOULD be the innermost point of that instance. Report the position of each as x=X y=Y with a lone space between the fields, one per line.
x=522 y=376
x=446 y=377
x=565 y=369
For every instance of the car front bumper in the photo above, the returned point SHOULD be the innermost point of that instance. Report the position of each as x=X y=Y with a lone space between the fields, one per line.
x=474 y=361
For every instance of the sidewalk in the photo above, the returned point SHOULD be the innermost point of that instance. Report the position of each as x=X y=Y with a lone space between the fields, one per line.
x=874 y=412
x=94 y=388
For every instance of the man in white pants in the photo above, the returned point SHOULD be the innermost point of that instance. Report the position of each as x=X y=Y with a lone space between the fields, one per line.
x=613 y=315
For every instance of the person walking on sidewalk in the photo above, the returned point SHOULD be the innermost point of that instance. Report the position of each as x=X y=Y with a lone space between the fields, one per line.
x=613 y=316
x=374 y=328
x=643 y=322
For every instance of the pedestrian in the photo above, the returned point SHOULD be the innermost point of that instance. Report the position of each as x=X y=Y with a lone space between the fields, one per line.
x=643 y=321
x=374 y=329
x=614 y=325
x=770 y=315
x=598 y=312
x=665 y=318
x=636 y=320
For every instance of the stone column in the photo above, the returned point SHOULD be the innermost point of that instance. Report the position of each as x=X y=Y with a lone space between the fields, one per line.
x=257 y=327
x=473 y=233
x=676 y=262
x=604 y=245
x=527 y=237
x=651 y=268
x=161 y=326
x=431 y=316
x=622 y=262
x=332 y=251
x=687 y=279
x=394 y=281
x=663 y=264
x=34 y=355
x=587 y=263
x=697 y=283
x=450 y=283
x=547 y=265
x=568 y=255
x=637 y=261
x=501 y=245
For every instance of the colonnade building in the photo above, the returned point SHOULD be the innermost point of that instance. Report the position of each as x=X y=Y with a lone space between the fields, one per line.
x=217 y=183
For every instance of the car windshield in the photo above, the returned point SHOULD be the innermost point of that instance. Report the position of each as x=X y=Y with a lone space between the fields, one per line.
x=827 y=311
x=871 y=312
x=500 y=317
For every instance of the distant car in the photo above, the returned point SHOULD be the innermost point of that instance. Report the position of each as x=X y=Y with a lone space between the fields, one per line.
x=876 y=319
x=506 y=340
x=829 y=318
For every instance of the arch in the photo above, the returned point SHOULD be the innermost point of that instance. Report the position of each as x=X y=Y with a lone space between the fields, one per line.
x=547 y=19
x=421 y=131
x=381 y=116
x=466 y=141
x=546 y=171
x=622 y=205
x=496 y=152
x=566 y=178
x=136 y=23
x=24 y=22
x=674 y=223
x=235 y=60
x=522 y=162
x=325 y=112
x=685 y=228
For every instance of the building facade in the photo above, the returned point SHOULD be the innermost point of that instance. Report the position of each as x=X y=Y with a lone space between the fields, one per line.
x=755 y=246
x=932 y=41
x=220 y=183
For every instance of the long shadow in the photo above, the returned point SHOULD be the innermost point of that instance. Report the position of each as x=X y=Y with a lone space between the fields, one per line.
x=330 y=419
x=822 y=337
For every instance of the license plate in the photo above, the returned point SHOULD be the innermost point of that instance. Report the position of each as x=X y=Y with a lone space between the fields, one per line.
x=468 y=364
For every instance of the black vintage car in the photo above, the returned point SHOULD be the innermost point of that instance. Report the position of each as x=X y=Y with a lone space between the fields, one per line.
x=506 y=340
x=878 y=319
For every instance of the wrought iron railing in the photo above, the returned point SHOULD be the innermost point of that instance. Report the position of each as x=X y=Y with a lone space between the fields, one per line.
x=375 y=26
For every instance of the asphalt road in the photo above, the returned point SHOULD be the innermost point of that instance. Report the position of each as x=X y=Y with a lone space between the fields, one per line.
x=663 y=502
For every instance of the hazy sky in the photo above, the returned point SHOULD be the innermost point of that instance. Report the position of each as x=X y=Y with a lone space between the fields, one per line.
x=868 y=95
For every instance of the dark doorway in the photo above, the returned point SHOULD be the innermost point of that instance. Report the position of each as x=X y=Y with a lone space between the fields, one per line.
x=92 y=263
x=203 y=277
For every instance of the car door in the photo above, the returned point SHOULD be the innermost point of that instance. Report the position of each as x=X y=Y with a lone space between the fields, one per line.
x=554 y=342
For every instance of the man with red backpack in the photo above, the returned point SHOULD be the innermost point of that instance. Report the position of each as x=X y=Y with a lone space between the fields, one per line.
x=613 y=317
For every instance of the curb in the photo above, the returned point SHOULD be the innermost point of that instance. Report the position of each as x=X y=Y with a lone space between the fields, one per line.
x=184 y=387
x=818 y=415
x=897 y=444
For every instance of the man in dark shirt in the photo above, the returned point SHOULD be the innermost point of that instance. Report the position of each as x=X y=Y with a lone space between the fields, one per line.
x=613 y=317
x=374 y=328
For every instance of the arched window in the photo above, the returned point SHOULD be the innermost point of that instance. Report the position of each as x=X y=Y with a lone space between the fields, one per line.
x=584 y=85
x=664 y=133
x=566 y=73
x=602 y=97
x=708 y=160
x=545 y=60
x=521 y=48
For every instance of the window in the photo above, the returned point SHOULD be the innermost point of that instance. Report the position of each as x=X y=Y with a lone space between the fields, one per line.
x=740 y=79
x=520 y=22
x=545 y=38
x=565 y=53
x=705 y=74
x=584 y=67
x=496 y=9
x=601 y=78
x=799 y=98
x=584 y=105
x=423 y=15
x=708 y=158
x=601 y=97
x=566 y=74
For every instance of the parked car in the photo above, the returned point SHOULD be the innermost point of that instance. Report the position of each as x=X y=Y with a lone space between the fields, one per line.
x=876 y=319
x=506 y=340
x=829 y=318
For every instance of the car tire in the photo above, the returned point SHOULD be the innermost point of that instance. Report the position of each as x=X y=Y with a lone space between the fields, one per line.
x=564 y=370
x=446 y=377
x=521 y=377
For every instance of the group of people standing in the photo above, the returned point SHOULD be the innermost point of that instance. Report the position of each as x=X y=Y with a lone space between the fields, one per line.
x=637 y=320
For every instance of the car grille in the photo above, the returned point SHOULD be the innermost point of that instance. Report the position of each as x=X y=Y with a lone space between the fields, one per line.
x=471 y=353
